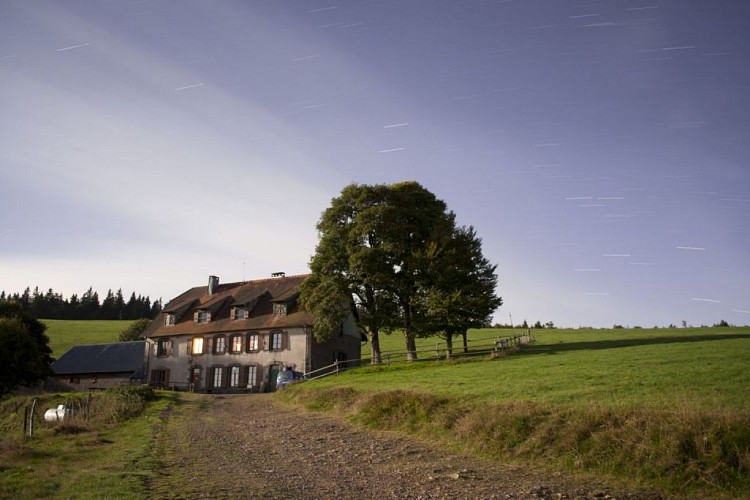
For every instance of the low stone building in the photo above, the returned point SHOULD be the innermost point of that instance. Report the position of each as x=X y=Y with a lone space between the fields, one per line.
x=99 y=366
x=237 y=337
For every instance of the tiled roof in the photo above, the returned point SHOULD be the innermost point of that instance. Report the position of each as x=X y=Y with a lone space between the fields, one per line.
x=118 y=357
x=257 y=295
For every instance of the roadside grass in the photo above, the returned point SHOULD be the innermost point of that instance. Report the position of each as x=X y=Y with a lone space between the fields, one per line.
x=666 y=408
x=64 y=334
x=109 y=456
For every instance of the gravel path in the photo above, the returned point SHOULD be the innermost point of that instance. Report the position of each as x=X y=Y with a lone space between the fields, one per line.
x=250 y=446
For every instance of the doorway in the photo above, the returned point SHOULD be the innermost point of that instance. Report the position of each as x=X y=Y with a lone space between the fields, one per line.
x=273 y=373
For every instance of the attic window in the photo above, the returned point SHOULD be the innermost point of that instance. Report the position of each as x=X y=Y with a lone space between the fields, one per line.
x=239 y=313
x=279 y=309
x=202 y=316
x=169 y=319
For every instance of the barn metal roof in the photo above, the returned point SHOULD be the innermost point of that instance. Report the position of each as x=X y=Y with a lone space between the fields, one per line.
x=118 y=357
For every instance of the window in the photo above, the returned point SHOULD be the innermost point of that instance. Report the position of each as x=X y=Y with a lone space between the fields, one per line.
x=279 y=309
x=160 y=377
x=239 y=313
x=252 y=376
x=236 y=344
x=277 y=341
x=220 y=345
x=196 y=345
x=169 y=319
x=163 y=347
x=218 y=376
x=253 y=343
x=202 y=316
x=234 y=376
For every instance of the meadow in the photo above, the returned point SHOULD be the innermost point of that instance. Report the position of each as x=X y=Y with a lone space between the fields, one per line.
x=64 y=334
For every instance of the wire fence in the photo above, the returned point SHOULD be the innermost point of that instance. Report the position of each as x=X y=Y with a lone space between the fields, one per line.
x=475 y=347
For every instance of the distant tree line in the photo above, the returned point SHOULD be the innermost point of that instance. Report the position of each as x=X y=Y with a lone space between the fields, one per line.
x=51 y=305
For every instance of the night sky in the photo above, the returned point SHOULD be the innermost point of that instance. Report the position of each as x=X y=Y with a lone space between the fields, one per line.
x=600 y=149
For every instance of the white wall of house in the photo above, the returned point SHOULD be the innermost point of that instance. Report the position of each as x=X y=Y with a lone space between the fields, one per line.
x=178 y=362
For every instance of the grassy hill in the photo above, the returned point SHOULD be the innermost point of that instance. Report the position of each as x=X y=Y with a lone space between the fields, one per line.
x=64 y=334
x=661 y=407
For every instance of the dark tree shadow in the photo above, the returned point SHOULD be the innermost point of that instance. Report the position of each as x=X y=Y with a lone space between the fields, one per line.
x=632 y=342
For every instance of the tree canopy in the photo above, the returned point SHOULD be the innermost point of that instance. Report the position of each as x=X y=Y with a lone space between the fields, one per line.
x=133 y=332
x=25 y=354
x=393 y=256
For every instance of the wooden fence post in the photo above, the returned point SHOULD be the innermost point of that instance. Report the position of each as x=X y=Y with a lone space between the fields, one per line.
x=31 y=418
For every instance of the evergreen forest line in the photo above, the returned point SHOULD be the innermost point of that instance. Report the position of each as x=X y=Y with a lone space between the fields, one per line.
x=88 y=306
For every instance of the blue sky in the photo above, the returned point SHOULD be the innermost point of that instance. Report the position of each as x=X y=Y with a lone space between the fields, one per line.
x=600 y=149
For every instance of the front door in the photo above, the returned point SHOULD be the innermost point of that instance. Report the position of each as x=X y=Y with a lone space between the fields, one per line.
x=195 y=379
x=273 y=373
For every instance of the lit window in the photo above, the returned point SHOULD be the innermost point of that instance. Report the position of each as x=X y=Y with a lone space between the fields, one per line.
x=197 y=345
x=218 y=375
x=234 y=377
x=237 y=344
x=276 y=341
x=240 y=313
x=220 y=345
x=203 y=317
x=279 y=310
x=252 y=375
x=169 y=319
x=252 y=342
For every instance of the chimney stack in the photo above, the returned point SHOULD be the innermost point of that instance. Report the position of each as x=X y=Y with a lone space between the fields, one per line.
x=213 y=284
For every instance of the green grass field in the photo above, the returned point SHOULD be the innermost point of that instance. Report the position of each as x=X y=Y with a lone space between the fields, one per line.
x=64 y=334
x=657 y=368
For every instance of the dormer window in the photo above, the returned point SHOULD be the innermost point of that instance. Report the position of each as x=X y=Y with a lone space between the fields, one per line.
x=169 y=319
x=279 y=309
x=239 y=313
x=202 y=316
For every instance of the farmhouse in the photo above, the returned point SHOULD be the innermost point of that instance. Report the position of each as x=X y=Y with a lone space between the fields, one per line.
x=99 y=366
x=237 y=337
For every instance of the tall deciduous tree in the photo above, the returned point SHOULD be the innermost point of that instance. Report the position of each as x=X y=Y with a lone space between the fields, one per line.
x=461 y=293
x=382 y=255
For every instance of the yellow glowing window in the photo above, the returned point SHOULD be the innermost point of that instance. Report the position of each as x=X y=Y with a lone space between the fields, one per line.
x=197 y=345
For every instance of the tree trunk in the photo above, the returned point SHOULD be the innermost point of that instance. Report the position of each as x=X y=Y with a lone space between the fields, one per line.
x=411 y=346
x=448 y=345
x=375 y=346
x=466 y=341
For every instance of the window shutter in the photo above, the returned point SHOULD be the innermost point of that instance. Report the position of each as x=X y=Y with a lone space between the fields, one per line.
x=195 y=316
x=264 y=342
x=285 y=341
x=243 y=376
x=225 y=377
x=156 y=348
x=206 y=345
x=169 y=348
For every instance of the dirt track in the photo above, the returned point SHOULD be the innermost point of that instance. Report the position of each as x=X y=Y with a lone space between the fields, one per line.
x=252 y=447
